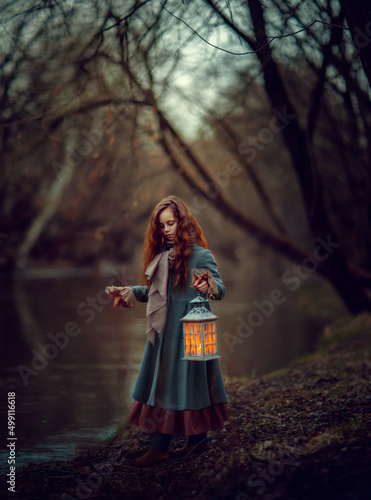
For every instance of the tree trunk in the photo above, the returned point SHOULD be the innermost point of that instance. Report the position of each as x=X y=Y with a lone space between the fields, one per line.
x=300 y=148
x=51 y=205
x=302 y=155
x=358 y=16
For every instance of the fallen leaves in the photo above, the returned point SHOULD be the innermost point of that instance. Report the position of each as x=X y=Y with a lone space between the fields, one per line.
x=303 y=430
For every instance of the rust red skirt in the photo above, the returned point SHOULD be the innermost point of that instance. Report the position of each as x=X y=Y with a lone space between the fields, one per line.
x=185 y=422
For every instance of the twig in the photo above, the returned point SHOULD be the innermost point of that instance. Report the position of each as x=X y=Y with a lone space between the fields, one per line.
x=272 y=38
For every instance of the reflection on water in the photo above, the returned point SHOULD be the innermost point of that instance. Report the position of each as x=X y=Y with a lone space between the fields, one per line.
x=78 y=396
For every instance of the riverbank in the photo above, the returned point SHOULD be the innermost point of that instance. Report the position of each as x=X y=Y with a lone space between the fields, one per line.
x=300 y=433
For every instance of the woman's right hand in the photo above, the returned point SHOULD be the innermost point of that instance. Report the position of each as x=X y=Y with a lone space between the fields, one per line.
x=121 y=295
x=114 y=293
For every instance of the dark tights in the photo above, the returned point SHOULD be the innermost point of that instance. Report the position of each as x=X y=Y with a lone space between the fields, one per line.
x=161 y=441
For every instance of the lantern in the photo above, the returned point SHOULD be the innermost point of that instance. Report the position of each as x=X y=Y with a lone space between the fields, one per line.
x=199 y=332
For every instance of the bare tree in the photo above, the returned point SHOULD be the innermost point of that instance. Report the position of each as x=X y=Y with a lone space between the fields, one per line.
x=298 y=139
x=147 y=45
x=69 y=128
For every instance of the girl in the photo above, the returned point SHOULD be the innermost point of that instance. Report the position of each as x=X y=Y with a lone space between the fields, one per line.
x=171 y=395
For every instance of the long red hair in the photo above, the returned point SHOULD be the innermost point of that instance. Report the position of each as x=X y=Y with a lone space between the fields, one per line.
x=187 y=229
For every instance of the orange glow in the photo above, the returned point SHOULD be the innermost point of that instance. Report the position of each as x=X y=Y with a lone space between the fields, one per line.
x=199 y=339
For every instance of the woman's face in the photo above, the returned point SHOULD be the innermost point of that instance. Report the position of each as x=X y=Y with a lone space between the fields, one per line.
x=168 y=223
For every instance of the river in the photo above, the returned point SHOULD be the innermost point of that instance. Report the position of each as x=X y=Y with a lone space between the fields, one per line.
x=77 y=397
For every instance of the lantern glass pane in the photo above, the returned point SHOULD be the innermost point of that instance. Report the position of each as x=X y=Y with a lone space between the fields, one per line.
x=213 y=339
x=198 y=327
x=188 y=350
x=198 y=339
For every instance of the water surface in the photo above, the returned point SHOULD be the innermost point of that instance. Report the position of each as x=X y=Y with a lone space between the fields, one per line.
x=84 y=390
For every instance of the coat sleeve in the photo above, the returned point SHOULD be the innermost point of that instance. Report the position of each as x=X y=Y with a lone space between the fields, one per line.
x=141 y=293
x=207 y=261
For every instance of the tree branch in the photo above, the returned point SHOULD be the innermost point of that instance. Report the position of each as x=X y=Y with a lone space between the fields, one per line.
x=250 y=170
x=231 y=23
x=278 y=243
x=316 y=96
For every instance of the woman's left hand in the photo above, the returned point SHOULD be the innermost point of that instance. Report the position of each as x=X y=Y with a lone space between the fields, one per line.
x=201 y=285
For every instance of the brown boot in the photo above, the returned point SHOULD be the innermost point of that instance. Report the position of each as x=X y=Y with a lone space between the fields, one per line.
x=192 y=448
x=150 y=457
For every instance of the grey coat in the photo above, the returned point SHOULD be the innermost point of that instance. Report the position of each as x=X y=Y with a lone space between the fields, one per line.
x=164 y=379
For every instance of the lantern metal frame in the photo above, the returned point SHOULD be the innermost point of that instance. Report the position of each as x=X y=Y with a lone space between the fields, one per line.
x=199 y=332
